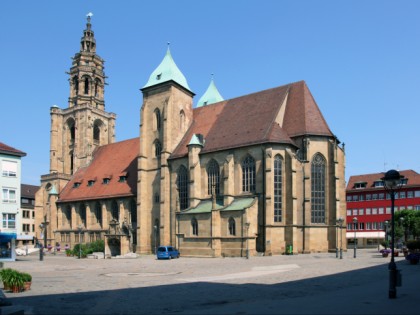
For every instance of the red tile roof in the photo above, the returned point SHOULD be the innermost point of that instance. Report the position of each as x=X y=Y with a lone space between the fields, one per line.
x=412 y=176
x=250 y=119
x=109 y=161
x=5 y=149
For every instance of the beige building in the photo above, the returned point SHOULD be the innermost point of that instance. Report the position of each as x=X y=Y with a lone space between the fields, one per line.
x=260 y=173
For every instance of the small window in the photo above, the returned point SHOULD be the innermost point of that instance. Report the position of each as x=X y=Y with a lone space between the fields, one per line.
x=122 y=179
x=232 y=226
x=90 y=183
x=194 y=226
x=76 y=185
x=106 y=181
x=159 y=76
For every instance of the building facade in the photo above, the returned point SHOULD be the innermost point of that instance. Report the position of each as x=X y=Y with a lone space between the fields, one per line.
x=370 y=204
x=10 y=164
x=27 y=207
x=253 y=174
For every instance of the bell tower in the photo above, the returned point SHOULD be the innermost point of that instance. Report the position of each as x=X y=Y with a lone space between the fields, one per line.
x=79 y=129
x=165 y=116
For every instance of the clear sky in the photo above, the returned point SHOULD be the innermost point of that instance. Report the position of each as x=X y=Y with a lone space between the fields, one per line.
x=360 y=59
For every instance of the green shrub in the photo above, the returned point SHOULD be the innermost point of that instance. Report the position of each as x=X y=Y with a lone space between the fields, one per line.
x=26 y=277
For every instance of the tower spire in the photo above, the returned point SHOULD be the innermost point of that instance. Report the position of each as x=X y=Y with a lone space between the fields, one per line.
x=88 y=42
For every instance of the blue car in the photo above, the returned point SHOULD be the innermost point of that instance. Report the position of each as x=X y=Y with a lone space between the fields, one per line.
x=167 y=252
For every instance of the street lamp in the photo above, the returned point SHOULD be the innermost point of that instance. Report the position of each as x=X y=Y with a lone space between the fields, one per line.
x=340 y=222
x=43 y=226
x=247 y=248
x=80 y=228
x=392 y=182
x=386 y=223
x=355 y=241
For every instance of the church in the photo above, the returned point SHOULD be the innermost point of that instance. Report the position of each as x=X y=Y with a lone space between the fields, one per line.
x=259 y=174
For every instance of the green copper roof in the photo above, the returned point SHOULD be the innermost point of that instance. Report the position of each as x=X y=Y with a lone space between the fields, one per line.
x=211 y=96
x=53 y=191
x=195 y=140
x=166 y=71
x=205 y=206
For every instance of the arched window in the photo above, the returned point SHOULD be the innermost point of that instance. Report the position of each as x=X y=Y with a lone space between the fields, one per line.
x=194 y=226
x=278 y=184
x=232 y=226
x=71 y=162
x=97 y=86
x=76 y=85
x=115 y=211
x=157 y=119
x=86 y=80
x=318 y=189
x=213 y=178
x=158 y=148
x=181 y=120
x=82 y=210
x=182 y=183
x=96 y=133
x=67 y=216
x=248 y=174
x=133 y=212
x=98 y=213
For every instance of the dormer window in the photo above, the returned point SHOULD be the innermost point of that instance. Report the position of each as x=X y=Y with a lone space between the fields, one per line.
x=378 y=183
x=360 y=185
x=159 y=76
x=404 y=181
x=91 y=182
x=106 y=179
x=76 y=184
x=123 y=179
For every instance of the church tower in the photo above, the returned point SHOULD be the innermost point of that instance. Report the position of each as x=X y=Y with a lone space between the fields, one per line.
x=84 y=125
x=78 y=130
x=166 y=114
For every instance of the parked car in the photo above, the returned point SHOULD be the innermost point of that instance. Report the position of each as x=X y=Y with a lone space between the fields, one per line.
x=167 y=252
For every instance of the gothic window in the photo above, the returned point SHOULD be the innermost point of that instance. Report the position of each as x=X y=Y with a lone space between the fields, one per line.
x=181 y=120
x=76 y=85
x=82 y=210
x=115 y=211
x=97 y=86
x=158 y=148
x=182 y=183
x=86 y=85
x=67 y=215
x=213 y=178
x=248 y=174
x=133 y=214
x=98 y=213
x=232 y=226
x=96 y=133
x=71 y=162
x=278 y=183
x=194 y=226
x=157 y=119
x=318 y=189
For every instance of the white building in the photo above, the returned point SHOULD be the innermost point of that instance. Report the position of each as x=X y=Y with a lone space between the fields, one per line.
x=10 y=179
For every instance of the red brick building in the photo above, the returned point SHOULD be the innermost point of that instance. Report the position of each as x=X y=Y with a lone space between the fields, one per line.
x=369 y=202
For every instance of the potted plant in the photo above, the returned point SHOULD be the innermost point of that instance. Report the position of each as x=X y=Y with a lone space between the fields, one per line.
x=27 y=278
x=69 y=252
x=413 y=258
x=4 y=277
x=49 y=247
x=385 y=252
x=16 y=281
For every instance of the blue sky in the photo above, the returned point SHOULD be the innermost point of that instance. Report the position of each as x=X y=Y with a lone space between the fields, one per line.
x=360 y=59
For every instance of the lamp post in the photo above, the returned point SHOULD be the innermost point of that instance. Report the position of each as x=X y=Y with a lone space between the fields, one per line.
x=386 y=223
x=247 y=248
x=80 y=227
x=155 y=227
x=336 y=239
x=355 y=241
x=392 y=182
x=43 y=226
x=340 y=224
